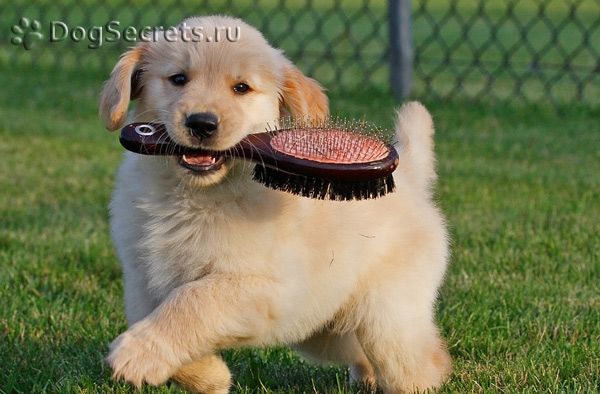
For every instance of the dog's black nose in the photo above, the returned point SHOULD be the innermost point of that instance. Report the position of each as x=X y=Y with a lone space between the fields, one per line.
x=202 y=124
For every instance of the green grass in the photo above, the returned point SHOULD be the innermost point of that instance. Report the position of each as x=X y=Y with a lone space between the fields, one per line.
x=520 y=306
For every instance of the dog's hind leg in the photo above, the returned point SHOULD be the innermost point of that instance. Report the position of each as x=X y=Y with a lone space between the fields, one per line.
x=209 y=375
x=402 y=343
x=326 y=346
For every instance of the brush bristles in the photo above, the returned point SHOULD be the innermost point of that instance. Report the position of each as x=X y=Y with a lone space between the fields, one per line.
x=322 y=188
x=357 y=127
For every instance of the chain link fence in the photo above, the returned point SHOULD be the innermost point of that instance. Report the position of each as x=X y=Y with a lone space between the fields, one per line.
x=528 y=51
x=510 y=50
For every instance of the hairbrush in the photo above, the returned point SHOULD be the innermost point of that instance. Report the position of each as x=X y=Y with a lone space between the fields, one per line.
x=323 y=162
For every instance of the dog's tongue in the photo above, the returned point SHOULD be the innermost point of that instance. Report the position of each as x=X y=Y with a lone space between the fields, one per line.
x=199 y=159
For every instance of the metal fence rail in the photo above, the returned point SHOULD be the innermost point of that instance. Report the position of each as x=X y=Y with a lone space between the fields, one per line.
x=506 y=50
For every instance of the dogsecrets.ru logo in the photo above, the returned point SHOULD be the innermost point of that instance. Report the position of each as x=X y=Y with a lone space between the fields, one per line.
x=27 y=33
x=30 y=33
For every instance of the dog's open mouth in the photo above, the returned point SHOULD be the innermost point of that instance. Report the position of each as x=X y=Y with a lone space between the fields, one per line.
x=202 y=163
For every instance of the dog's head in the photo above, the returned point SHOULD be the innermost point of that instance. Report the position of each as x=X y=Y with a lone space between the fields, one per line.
x=211 y=81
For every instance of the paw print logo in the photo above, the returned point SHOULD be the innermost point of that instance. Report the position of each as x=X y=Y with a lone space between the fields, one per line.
x=27 y=33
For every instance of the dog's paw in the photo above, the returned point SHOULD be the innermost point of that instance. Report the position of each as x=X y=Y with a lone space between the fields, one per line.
x=138 y=357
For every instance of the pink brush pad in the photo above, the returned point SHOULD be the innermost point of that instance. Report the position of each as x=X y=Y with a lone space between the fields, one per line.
x=329 y=146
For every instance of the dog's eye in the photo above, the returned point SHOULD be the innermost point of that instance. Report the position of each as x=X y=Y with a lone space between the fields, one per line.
x=178 y=79
x=241 y=88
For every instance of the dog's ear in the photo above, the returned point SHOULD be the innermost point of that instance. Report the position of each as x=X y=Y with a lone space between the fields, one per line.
x=303 y=95
x=124 y=84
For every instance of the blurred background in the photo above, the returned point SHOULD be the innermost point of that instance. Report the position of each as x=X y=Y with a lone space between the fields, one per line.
x=510 y=50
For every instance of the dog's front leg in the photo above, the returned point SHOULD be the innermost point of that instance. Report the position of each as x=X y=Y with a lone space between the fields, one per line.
x=196 y=320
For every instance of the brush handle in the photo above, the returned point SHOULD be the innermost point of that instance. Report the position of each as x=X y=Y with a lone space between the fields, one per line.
x=153 y=139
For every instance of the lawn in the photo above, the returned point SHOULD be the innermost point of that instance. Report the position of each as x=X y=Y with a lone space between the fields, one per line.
x=520 y=306
x=519 y=184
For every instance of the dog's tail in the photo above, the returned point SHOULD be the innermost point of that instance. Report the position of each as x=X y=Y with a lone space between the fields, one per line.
x=414 y=131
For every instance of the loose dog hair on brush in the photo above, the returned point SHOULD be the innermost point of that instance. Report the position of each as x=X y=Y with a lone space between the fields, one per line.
x=213 y=260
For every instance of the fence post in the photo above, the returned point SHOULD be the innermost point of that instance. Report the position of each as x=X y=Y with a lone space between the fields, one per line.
x=401 y=47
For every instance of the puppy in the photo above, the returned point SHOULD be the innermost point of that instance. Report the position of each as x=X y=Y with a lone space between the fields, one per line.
x=213 y=260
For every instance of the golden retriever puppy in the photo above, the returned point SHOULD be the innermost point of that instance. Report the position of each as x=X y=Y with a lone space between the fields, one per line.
x=213 y=260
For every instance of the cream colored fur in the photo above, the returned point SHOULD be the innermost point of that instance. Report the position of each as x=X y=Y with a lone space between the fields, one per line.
x=218 y=261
